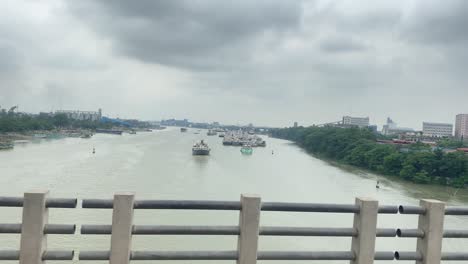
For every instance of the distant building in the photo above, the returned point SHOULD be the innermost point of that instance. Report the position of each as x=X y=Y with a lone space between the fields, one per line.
x=295 y=124
x=355 y=121
x=373 y=128
x=81 y=115
x=461 y=126
x=391 y=128
x=437 y=129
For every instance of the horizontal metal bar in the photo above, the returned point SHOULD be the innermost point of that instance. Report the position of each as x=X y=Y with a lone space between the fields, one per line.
x=94 y=255
x=48 y=255
x=58 y=255
x=410 y=233
x=48 y=229
x=451 y=210
x=231 y=230
x=234 y=205
x=454 y=233
x=386 y=232
x=307 y=231
x=411 y=209
x=384 y=255
x=50 y=202
x=456 y=210
x=408 y=255
x=310 y=207
x=305 y=255
x=164 y=230
x=388 y=209
x=183 y=255
x=167 y=204
x=9 y=254
x=454 y=256
x=233 y=255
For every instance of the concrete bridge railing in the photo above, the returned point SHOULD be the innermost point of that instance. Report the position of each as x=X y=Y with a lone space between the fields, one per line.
x=35 y=228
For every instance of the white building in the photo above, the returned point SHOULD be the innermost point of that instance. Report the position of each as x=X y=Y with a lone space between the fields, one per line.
x=461 y=126
x=81 y=115
x=391 y=128
x=437 y=129
x=356 y=121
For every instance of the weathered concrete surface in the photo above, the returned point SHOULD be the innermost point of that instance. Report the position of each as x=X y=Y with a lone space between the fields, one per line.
x=35 y=216
x=122 y=222
x=249 y=221
x=365 y=222
x=432 y=224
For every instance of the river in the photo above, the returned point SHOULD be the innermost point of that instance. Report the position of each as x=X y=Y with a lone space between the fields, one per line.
x=159 y=165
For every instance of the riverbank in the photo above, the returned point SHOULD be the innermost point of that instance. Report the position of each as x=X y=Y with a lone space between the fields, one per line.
x=418 y=163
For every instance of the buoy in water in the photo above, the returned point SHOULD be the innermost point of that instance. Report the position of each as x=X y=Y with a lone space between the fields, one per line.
x=272 y=152
x=94 y=150
x=377 y=185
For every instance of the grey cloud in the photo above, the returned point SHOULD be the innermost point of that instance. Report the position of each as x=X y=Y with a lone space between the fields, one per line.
x=437 y=22
x=203 y=35
x=341 y=44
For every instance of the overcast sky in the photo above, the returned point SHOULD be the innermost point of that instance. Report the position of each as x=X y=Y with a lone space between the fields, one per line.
x=266 y=62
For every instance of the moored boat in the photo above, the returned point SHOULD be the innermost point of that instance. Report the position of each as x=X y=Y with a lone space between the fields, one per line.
x=183 y=129
x=211 y=133
x=6 y=145
x=109 y=131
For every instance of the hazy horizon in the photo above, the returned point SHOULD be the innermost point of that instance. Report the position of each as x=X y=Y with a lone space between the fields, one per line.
x=269 y=63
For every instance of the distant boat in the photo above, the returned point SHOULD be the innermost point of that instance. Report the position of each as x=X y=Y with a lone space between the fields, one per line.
x=246 y=149
x=211 y=133
x=201 y=148
x=40 y=135
x=377 y=185
x=109 y=131
x=132 y=132
x=183 y=129
x=94 y=150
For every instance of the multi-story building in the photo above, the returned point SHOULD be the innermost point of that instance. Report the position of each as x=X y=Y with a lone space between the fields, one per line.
x=461 y=126
x=437 y=129
x=356 y=121
x=391 y=128
x=81 y=115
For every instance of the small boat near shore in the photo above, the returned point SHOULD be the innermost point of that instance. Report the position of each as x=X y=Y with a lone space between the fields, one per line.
x=246 y=149
x=183 y=129
x=200 y=149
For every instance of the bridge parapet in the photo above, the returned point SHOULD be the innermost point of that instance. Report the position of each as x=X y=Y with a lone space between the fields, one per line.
x=35 y=228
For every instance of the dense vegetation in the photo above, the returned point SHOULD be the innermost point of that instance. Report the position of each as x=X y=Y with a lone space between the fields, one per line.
x=10 y=122
x=417 y=162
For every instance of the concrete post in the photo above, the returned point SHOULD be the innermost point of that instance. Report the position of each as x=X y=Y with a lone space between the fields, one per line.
x=365 y=222
x=432 y=224
x=122 y=222
x=249 y=221
x=35 y=216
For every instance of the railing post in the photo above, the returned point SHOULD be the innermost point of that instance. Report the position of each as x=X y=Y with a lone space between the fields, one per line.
x=249 y=221
x=365 y=222
x=432 y=224
x=122 y=222
x=35 y=216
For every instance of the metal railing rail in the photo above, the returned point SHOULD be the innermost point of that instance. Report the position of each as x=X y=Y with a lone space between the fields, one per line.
x=34 y=229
